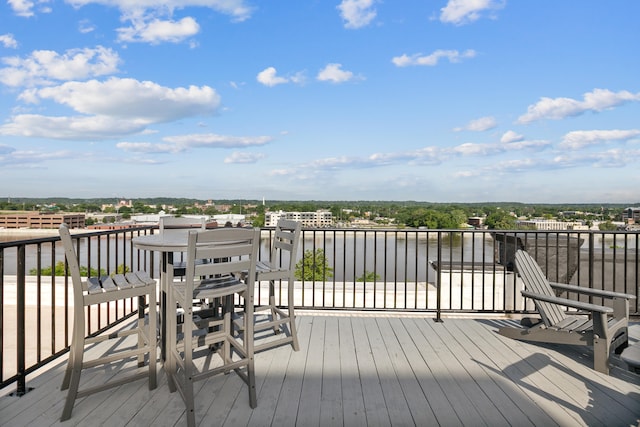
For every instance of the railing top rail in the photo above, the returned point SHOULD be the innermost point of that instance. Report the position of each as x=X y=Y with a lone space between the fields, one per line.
x=55 y=238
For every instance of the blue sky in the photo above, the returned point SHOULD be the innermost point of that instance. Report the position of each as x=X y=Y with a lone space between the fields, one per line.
x=442 y=101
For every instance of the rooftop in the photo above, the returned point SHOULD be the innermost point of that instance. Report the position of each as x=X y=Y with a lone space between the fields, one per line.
x=369 y=369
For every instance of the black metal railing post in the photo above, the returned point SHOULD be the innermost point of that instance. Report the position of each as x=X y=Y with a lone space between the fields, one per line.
x=21 y=386
x=438 y=280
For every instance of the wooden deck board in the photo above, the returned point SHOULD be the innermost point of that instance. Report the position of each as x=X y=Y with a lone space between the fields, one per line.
x=376 y=412
x=400 y=349
x=354 y=411
x=480 y=368
x=376 y=370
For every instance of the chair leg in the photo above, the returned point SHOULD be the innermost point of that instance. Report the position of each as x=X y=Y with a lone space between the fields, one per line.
x=188 y=365
x=170 y=324
x=272 y=305
x=153 y=342
x=601 y=354
x=292 y=317
x=141 y=327
x=251 y=374
x=248 y=344
x=227 y=326
x=72 y=375
x=68 y=369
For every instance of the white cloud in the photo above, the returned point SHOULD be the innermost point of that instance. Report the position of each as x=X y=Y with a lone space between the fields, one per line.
x=518 y=143
x=517 y=165
x=181 y=143
x=526 y=144
x=85 y=26
x=157 y=31
x=334 y=74
x=211 y=140
x=110 y=109
x=479 y=125
x=465 y=11
x=357 y=13
x=130 y=99
x=431 y=60
x=21 y=7
x=510 y=137
x=237 y=9
x=70 y=128
x=8 y=41
x=149 y=147
x=581 y=138
x=44 y=67
x=242 y=157
x=613 y=158
x=471 y=149
x=269 y=77
x=560 y=108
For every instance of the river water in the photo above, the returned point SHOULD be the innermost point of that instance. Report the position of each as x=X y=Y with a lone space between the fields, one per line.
x=392 y=255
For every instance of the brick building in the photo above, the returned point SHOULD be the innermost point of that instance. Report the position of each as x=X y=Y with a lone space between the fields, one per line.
x=41 y=220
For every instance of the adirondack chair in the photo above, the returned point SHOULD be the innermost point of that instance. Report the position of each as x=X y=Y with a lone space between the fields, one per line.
x=605 y=328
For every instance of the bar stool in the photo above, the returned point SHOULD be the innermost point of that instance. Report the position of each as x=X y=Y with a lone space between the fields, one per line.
x=97 y=291
x=281 y=266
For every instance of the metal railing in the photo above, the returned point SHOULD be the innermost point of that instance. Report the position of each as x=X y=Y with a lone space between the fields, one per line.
x=438 y=271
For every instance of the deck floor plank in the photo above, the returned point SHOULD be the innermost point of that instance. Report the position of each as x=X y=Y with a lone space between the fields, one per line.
x=413 y=342
x=374 y=369
x=483 y=370
x=375 y=406
x=354 y=411
x=286 y=409
x=448 y=372
x=482 y=391
x=523 y=374
x=311 y=392
x=331 y=408
x=399 y=354
x=399 y=411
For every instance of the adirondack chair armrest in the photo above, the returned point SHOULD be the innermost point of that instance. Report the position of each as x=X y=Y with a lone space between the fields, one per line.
x=568 y=302
x=589 y=291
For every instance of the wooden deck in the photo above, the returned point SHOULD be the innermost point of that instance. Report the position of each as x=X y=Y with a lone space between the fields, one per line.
x=375 y=370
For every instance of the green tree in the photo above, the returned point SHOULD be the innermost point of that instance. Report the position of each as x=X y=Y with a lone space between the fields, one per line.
x=59 y=270
x=258 y=221
x=500 y=220
x=84 y=271
x=313 y=266
x=607 y=226
x=368 y=276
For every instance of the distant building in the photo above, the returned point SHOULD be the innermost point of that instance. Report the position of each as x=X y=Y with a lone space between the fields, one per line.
x=550 y=224
x=41 y=220
x=113 y=226
x=476 y=221
x=308 y=219
x=234 y=219
x=631 y=216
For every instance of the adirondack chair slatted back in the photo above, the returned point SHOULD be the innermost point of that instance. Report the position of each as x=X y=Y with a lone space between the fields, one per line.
x=536 y=281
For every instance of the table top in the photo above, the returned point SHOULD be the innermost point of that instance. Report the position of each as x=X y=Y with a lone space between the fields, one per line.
x=173 y=241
